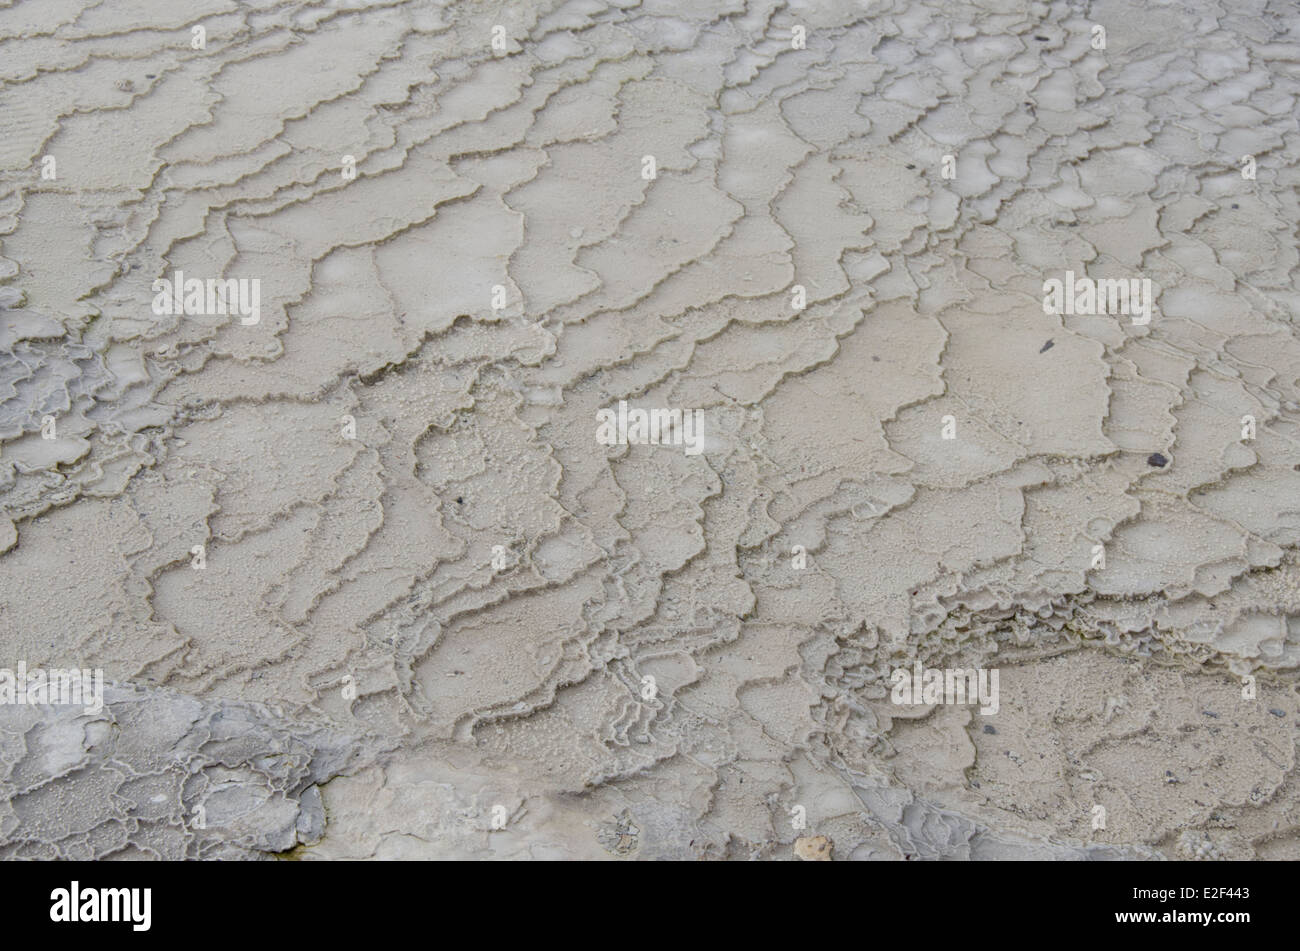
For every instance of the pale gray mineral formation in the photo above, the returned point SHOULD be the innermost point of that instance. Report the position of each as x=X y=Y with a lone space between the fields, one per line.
x=574 y=423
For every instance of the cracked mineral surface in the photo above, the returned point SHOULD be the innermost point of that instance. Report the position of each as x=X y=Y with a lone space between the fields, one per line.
x=566 y=429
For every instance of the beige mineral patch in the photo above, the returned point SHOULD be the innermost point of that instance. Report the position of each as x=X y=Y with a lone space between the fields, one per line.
x=815 y=848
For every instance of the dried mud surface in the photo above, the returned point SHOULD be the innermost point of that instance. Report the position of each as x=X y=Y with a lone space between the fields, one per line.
x=349 y=675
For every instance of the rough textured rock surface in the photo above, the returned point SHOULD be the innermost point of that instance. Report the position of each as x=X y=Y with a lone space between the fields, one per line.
x=433 y=636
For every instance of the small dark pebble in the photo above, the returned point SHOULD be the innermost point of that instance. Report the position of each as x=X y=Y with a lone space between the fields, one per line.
x=1235 y=207
x=1276 y=712
x=150 y=75
x=911 y=166
x=1210 y=713
x=1047 y=346
x=1158 y=460
x=988 y=728
x=1041 y=39
x=460 y=500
